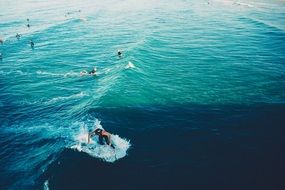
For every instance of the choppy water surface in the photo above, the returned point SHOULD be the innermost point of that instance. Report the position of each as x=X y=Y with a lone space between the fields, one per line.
x=200 y=105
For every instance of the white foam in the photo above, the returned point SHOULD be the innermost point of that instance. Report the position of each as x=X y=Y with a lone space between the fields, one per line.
x=243 y=4
x=233 y=3
x=83 y=19
x=130 y=65
x=46 y=185
x=61 y=98
x=94 y=149
x=47 y=73
x=19 y=72
x=69 y=74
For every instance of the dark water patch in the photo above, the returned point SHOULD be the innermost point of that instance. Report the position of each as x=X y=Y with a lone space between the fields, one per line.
x=201 y=147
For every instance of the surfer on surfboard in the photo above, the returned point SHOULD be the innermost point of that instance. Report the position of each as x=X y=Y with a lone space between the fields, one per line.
x=103 y=136
x=93 y=72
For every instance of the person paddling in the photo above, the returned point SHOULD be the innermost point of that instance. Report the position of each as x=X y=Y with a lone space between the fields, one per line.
x=103 y=136
x=32 y=44
x=119 y=53
x=92 y=72
x=18 y=36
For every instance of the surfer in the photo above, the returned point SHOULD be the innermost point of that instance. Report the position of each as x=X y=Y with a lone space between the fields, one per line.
x=92 y=72
x=32 y=44
x=103 y=135
x=119 y=53
x=1 y=41
x=18 y=36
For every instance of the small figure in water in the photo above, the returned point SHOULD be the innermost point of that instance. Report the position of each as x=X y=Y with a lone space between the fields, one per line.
x=1 y=41
x=93 y=72
x=18 y=36
x=0 y=56
x=120 y=53
x=28 y=25
x=32 y=44
x=103 y=135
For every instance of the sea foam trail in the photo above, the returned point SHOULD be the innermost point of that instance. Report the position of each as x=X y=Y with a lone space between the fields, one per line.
x=69 y=74
x=61 y=98
x=15 y=72
x=94 y=149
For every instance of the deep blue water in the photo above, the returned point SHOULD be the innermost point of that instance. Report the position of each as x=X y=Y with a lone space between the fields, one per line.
x=202 y=108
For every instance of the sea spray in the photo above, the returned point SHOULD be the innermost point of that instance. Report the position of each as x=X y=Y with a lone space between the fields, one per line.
x=94 y=149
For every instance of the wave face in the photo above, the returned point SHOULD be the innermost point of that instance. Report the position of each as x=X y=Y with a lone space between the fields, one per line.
x=194 y=80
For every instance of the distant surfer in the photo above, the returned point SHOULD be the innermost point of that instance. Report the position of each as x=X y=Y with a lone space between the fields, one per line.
x=1 y=41
x=28 y=25
x=18 y=36
x=103 y=136
x=32 y=44
x=92 y=72
x=119 y=53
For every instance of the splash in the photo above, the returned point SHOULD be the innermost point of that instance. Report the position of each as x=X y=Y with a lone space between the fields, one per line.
x=94 y=149
x=130 y=65
x=46 y=185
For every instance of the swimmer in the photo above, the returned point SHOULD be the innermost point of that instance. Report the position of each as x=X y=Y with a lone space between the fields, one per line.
x=18 y=36
x=28 y=19
x=103 y=135
x=119 y=53
x=28 y=25
x=1 y=41
x=32 y=44
x=93 y=72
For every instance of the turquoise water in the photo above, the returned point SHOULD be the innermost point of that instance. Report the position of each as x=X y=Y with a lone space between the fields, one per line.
x=185 y=54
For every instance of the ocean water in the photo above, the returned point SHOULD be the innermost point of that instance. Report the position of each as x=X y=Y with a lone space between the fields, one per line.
x=196 y=101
